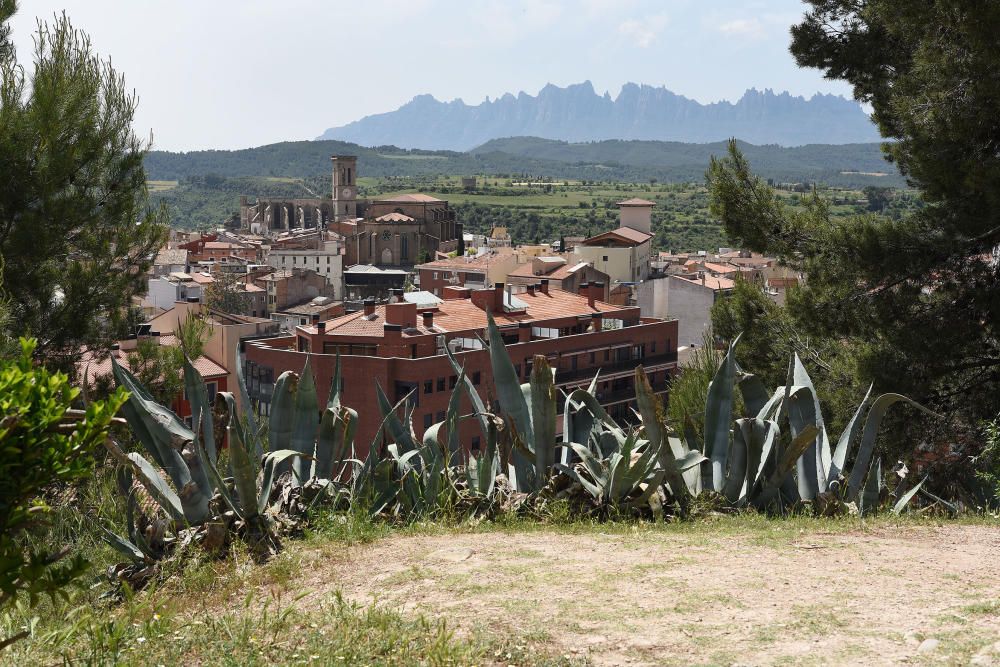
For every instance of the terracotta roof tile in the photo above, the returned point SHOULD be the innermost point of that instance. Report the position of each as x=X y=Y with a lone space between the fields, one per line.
x=455 y=315
x=395 y=216
x=623 y=233
x=416 y=197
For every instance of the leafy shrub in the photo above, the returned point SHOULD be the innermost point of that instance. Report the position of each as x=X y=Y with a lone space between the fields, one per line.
x=43 y=442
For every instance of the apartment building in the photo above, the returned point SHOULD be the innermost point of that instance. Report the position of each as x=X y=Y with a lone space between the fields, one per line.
x=401 y=346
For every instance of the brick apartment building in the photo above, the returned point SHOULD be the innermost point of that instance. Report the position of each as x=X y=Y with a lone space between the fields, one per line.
x=401 y=346
x=208 y=249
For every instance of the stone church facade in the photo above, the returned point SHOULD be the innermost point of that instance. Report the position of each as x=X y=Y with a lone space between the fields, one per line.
x=397 y=231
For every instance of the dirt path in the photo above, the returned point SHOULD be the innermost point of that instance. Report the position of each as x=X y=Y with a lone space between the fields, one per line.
x=926 y=595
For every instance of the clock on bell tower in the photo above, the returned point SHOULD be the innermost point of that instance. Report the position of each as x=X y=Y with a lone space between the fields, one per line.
x=345 y=173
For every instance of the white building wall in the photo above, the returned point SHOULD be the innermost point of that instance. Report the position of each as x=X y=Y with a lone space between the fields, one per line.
x=162 y=293
x=330 y=265
x=691 y=303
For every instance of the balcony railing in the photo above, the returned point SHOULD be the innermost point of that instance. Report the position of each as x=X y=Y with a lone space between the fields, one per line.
x=565 y=377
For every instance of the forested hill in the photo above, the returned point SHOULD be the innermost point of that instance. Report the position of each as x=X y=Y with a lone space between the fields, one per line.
x=853 y=165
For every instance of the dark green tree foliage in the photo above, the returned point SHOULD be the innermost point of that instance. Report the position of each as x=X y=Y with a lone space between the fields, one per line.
x=42 y=444
x=76 y=231
x=918 y=296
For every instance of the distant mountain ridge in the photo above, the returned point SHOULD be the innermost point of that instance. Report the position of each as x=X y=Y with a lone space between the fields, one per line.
x=577 y=113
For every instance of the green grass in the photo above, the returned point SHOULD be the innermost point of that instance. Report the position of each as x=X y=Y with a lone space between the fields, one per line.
x=161 y=186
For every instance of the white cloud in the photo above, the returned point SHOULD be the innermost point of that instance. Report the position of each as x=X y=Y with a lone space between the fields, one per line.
x=743 y=28
x=644 y=32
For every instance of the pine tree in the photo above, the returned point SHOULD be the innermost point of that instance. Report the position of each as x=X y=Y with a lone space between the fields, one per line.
x=917 y=296
x=77 y=233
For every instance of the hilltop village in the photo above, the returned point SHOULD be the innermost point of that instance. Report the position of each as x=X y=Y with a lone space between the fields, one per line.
x=390 y=286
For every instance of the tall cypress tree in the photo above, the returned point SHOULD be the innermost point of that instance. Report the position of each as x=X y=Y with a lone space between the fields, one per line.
x=77 y=233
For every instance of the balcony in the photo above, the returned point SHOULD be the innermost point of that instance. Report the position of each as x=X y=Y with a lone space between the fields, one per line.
x=610 y=369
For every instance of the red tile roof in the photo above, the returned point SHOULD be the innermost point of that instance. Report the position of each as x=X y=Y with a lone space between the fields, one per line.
x=462 y=263
x=455 y=315
x=720 y=268
x=711 y=282
x=635 y=201
x=93 y=365
x=626 y=234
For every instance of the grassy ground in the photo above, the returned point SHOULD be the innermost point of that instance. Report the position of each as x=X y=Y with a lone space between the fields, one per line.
x=554 y=592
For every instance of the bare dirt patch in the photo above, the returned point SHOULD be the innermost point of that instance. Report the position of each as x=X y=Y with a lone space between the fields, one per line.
x=917 y=595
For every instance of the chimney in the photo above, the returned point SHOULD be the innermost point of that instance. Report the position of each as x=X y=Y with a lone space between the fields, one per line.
x=498 y=299
x=597 y=319
x=544 y=286
x=596 y=292
x=393 y=333
x=531 y=290
x=395 y=295
x=485 y=299
x=321 y=327
x=403 y=314
x=583 y=289
x=315 y=319
x=428 y=319
x=702 y=277
x=369 y=306
x=523 y=332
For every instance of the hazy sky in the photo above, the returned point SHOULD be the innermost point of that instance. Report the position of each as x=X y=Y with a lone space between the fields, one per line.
x=228 y=74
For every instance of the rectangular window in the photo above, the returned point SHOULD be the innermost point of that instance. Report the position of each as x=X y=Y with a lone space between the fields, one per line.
x=593 y=357
x=440 y=384
x=475 y=443
x=477 y=377
x=439 y=417
x=605 y=258
x=435 y=275
x=452 y=381
x=428 y=386
x=428 y=420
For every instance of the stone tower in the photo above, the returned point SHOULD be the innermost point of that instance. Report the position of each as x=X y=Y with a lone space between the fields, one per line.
x=345 y=189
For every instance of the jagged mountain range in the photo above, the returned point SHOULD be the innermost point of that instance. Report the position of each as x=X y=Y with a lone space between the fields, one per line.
x=578 y=113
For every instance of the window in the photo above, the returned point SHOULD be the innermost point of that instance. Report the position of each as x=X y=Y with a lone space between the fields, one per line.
x=428 y=386
x=452 y=381
x=652 y=347
x=293 y=259
x=435 y=275
x=428 y=420
x=477 y=377
x=605 y=258
x=475 y=443
x=440 y=384
x=607 y=355
x=439 y=416
x=593 y=357
x=517 y=370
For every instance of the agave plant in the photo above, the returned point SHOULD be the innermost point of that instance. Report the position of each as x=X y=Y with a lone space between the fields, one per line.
x=753 y=464
x=198 y=501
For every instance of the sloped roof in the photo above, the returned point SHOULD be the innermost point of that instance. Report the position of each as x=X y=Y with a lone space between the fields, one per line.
x=622 y=234
x=171 y=256
x=414 y=198
x=455 y=315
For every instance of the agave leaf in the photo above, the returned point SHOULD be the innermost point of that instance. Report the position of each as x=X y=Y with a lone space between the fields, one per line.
x=543 y=418
x=654 y=422
x=593 y=489
x=905 y=499
x=246 y=410
x=305 y=423
x=765 y=433
x=161 y=432
x=272 y=462
x=400 y=434
x=336 y=438
x=736 y=477
x=197 y=395
x=755 y=395
x=213 y=474
x=161 y=491
x=333 y=396
x=814 y=466
x=873 y=487
x=478 y=407
x=788 y=457
x=773 y=404
x=122 y=546
x=846 y=438
x=718 y=414
x=508 y=385
x=867 y=446
x=282 y=414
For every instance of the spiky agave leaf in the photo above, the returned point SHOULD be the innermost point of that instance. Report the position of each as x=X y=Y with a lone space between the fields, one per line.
x=305 y=422
x=543 y=419
x=867 y=445
x=654 y=422
x=844 y=442
x=905 y=499
x=718 y=414
x=197 y=395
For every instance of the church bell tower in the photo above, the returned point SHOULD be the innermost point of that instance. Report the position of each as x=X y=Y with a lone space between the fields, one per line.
x=345 y=190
